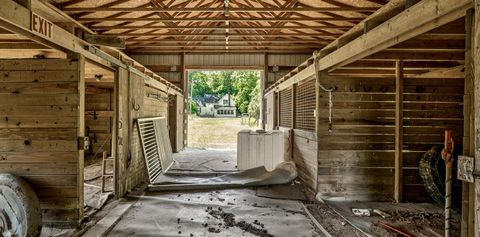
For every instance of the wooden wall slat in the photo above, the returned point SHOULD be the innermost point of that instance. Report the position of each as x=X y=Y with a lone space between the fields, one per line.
x=356 y=160
x=40 y=108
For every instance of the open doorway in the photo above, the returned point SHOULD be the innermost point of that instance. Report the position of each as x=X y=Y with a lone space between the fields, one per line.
x=99 y=128
x=221 y=103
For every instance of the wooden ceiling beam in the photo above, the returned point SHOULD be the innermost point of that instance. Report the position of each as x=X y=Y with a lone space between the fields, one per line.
x=221 y=51
x=221 y=19
x=223 y=40
x=313 y=47
x=417 y=56
x=150 y=9
x=169 y=34
x=229 y=27
x=406 y=65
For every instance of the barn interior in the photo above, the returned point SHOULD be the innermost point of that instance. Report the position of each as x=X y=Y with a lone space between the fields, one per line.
x=370 y=117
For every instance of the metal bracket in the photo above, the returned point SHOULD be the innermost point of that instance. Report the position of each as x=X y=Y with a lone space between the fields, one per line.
x=465 y=169
x=83 y=143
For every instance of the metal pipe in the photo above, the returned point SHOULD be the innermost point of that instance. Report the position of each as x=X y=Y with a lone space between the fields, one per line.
x=447 y=155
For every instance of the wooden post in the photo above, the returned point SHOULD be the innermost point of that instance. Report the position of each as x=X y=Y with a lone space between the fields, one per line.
x=476 y=106
x=398 y=192
x=184 y=84
x=467 y=225
x=294 y=101
x=264 y=85
x=276 y=110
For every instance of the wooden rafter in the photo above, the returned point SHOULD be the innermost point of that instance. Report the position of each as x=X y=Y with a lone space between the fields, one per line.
x=199 y=24
x=150 y=9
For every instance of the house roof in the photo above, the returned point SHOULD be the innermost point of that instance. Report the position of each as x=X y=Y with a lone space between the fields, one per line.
x=207 y=99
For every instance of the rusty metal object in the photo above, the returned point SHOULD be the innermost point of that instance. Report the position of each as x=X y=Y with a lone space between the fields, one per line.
x=447 y=155
x=394 y=229
x=20 y=213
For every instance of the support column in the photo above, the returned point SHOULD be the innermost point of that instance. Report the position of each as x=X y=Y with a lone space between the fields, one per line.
x=398 y=191
x=476 y=100
x=184 y=84
x=263 y=86
x=294 y=101
x=467 y=220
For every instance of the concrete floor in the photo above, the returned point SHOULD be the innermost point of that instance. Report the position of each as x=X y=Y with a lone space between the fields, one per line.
x=233 y=212
x=236 y=212
x=205 y=160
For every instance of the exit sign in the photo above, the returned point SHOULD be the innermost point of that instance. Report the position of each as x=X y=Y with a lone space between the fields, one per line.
x=42 y=26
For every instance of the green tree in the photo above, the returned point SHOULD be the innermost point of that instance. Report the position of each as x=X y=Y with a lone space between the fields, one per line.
x=255 y=103
x=239 y=84
x=245 y=82
x=200 y=85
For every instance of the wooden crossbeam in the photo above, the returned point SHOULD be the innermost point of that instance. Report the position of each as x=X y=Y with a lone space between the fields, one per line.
x=236 y=10
x=222 y=39
x=219 y=19
x=177 y=27
x=233 y=34
x=223 y=46
x=222 y=51
x=406 y=65
x=418 y=19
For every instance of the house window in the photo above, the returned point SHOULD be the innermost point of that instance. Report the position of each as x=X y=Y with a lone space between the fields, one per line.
x=225 y=102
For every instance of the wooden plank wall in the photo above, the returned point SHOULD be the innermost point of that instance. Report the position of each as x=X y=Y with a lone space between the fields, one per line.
x=41 y=103
x=356 y=160
x=136 y=100
x=305 y=150
x=99 y=109
x=431 y=105
x=305 y=155
x=296 y=113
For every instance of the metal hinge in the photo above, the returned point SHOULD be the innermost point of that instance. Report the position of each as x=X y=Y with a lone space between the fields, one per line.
x=466 y=169
x=83 y=143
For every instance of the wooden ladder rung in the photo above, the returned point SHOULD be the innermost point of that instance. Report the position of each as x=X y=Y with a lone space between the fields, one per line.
x=106 y=174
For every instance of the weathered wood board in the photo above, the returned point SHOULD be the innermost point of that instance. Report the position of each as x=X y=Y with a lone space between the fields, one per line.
x=42 y=110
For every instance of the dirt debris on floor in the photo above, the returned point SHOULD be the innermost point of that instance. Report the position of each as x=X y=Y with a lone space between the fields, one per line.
x=415 y=219
x=332 y=222
x=200 y=213
x=229 y=221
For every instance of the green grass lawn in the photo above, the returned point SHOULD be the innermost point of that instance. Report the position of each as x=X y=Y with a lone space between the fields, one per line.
x=214 y=132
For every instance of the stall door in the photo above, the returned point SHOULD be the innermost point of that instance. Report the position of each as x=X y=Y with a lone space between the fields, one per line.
x=41 y=129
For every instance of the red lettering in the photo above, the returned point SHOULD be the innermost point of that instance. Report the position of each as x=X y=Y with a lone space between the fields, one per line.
x=40 y=29
x=50 y=26
x=34 y=22
x=42 y=26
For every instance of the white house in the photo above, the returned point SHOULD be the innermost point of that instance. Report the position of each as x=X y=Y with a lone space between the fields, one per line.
x=213 y=106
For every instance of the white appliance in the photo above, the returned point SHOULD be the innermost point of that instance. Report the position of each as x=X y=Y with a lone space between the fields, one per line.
x=261 y=148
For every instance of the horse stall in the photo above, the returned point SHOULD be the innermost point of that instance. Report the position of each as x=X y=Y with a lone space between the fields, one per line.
x=68 y=127
x=372 y=129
